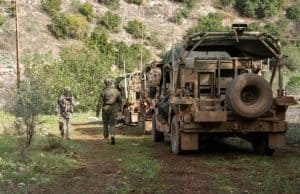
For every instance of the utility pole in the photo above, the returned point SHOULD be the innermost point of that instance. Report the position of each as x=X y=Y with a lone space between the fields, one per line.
x=17 y=44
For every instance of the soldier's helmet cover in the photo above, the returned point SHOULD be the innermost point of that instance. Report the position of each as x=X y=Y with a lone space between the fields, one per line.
x=67 y=91
x=108 y=81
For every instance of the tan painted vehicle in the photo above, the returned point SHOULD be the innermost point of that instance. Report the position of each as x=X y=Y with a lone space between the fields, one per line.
x=149 y=93
x=214 y=87
x=130 y=88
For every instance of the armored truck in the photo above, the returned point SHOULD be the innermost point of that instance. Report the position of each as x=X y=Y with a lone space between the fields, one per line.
x=130 y=89
x=215 y=86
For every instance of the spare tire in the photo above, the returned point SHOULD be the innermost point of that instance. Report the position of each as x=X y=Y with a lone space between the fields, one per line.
x=249 y=96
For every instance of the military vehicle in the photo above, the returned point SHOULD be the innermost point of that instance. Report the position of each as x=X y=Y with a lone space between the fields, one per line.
x=130 y=88
x=151 y=77
x=214 y=86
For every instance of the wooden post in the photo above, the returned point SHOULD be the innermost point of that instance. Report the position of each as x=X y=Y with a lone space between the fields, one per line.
x=17 y=44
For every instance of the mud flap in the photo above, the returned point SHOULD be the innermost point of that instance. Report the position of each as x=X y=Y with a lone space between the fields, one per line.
x=189 y=141
x=147 y=127
x=277 y=140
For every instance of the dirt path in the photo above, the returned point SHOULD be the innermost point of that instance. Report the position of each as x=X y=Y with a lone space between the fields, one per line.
x=228 y=167
x=94 y=172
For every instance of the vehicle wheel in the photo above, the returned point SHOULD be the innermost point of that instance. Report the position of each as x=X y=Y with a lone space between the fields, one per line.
x=249 y=96
x=261 y=147
x=157 y=135
x=127 y=116
x=175 y=136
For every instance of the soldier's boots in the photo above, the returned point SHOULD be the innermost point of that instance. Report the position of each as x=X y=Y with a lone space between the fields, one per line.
x=113 y=141
x=106 y=140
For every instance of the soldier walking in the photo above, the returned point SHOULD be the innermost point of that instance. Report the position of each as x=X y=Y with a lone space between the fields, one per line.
x=110 y=99
x=64 y=109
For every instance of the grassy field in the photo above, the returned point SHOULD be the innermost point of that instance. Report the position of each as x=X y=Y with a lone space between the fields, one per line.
x=86 y=164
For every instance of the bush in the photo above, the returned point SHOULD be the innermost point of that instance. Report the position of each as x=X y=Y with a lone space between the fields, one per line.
x=210 y=23
x=131 y=56
x=136 y=28
x=51 y=6
x=2 y=19
x=180 y=14
x=73 y=26
x=111 y=21
x=293 y=60
x=112 y=4
x=138 y=2
x=99 y=38
x=293 y=12
x=156 y=41
x=26 y=104
x=87 y=10
x=258 y=8
x=293 y=85
x=227 y=3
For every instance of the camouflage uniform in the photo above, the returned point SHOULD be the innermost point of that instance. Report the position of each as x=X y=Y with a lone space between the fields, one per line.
x=65 y=108
x=110 y=99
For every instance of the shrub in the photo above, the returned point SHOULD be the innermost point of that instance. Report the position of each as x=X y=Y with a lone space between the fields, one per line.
x=73 y=26
x=293 y=85
x=87 y=10
x=227 y=3
x=211 y=22
x=258 y=8
x=99 y=38
x=2 y=19
x=293 y=60
x=112 y=4
x=136 y=28
x=138 y=2
x=111 y=21
x=131 y=55
x=180 y=14
x=293 y=12
x=156 y=41
x=51 y=6
x=26 y=105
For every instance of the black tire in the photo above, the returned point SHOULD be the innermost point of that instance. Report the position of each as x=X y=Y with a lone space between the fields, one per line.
x=249 y=96
x=156 y=135
x=127 y=116
x=175 y=137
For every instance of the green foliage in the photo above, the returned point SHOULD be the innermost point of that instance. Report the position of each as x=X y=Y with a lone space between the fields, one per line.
x=227 y=3
x=87 y=10
x=156 y=41
x=51 y=6
x=138 y=2
x=293 y=12
x=136 y=28
x=211 y=22
x=2 y=19
x=112 y=4
x=26 y=104
x=258 y=8
x=131 y=55
x=293 y=60
x=293 y=85
x=72 y=26
x=180 y=14
x=111 y=21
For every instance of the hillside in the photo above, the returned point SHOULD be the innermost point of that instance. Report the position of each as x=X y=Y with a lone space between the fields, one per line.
x=99 y=38
x=155 y=14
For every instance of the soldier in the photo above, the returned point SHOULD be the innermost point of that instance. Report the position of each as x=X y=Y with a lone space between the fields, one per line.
x=64 y=109
x=110 y=99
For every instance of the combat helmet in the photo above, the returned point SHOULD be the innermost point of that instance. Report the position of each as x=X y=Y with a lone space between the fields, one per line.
x=108 y=81
x=67 y=91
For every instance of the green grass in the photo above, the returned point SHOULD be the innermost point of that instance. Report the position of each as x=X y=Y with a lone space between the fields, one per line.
x=141 y=170
x=39 y=167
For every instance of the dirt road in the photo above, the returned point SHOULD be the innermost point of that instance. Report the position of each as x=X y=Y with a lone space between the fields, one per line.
x=138 y=165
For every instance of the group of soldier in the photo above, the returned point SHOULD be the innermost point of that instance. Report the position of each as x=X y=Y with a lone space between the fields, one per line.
x=109 y=100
